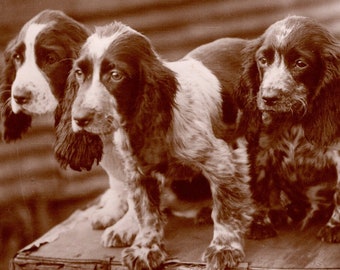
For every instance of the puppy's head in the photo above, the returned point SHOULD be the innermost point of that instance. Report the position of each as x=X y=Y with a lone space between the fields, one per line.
x=37 y=63
x=121 y=82
x=291 y=65
x=291 y=71
x=118 y=81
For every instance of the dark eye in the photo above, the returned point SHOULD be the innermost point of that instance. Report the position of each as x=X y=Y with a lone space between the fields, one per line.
x=79 y=75
x=51 y=58
x=116 y=75
x=263 y=61
x=17 y=58
x=300 y=64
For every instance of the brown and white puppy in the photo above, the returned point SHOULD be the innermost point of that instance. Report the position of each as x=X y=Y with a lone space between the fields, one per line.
x=290 y=95
x=186 y=197
x=166 y=119
x=37 y=64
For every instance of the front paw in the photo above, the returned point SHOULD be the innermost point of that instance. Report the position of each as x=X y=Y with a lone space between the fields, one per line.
x=258 y=231
x=122 y=234
x=111 y=208
x=219 y=257
x=140 y=257
x=329 y=234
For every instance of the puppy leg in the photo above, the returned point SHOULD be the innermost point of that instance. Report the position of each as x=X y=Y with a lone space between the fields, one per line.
x=261 y=226
x=124 y=231
x=147 y=251
x=113 y=203
x=228 y=173
x=110 y=209
x=331 y=231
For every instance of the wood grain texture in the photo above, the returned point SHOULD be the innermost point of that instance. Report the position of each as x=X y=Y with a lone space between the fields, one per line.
x=76 y=243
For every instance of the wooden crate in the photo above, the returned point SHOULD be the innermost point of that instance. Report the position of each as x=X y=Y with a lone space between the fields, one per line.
x=74 y=245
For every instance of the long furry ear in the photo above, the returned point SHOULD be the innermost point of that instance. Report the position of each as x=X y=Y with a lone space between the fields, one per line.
x=245 y=94
x=78 y=150
x=321 y=123
x=158 y=86
x=13 y=125
x=146 y=108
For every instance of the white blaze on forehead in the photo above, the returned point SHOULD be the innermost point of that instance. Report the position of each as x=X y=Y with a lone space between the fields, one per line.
x=97 y=44
x=30 y=37
x=95 y=47
x=283 y=32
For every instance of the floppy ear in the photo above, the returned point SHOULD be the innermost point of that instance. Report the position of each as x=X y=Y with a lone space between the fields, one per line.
x=147 y=106
x=156 y=100
x=321 y=123
x=245 y=94
x=13 y=125
x=78 y=150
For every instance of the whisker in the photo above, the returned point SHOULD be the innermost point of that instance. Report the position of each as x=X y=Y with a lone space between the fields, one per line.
x=5 y=91
x=6 y=107
x=304 y=105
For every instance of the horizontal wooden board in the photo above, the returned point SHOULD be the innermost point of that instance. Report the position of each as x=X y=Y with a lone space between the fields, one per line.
x=74 y=242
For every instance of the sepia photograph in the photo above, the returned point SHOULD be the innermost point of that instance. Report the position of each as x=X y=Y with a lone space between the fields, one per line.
x=170 y=134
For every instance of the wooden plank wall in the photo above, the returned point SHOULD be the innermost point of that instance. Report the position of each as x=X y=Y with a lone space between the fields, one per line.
x=176 y=26
x=34 y=191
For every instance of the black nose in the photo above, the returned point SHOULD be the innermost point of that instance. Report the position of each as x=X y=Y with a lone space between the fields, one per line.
x=83 y=119
x=270 y=99
x=22 y=98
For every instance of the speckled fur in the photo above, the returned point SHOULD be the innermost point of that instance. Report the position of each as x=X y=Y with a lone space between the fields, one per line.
x=289 y=94
x=163 y=115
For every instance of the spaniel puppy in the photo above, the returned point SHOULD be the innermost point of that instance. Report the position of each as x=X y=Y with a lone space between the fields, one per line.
x=188 y=196
x=290 y=95
x=166 y=119
x=33 y=81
